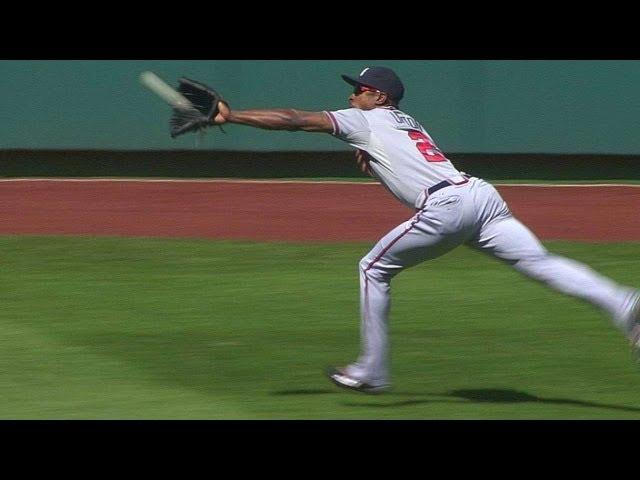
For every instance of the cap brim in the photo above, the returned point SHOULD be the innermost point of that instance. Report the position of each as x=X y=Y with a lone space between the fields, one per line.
x=355 y=81
x=351 y=80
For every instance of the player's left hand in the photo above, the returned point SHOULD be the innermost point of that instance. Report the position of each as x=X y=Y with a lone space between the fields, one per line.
x=223 y=113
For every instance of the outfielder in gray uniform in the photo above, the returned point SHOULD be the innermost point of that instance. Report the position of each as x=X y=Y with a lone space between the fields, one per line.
x=452 y=209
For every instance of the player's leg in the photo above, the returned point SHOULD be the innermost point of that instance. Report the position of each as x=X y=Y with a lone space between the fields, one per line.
x=445 y=223
x=506 y=238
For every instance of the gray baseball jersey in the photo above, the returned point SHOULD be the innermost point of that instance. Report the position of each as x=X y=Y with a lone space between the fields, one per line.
x=404 y=157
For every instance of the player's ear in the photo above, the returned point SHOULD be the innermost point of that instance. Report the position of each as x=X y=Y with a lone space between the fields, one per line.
x=382 y=98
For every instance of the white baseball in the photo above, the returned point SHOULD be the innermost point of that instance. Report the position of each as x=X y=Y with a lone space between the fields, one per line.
x=164 y=91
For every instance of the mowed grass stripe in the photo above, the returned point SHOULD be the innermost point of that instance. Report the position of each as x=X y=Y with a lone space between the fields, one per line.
x=159 y=328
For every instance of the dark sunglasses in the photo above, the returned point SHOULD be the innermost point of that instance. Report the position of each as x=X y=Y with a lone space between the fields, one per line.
x=358 y=89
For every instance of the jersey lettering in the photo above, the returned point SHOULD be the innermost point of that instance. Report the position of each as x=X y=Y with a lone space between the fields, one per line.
x=406 y=120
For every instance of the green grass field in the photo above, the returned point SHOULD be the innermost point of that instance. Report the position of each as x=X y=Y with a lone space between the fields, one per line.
x=110 y=328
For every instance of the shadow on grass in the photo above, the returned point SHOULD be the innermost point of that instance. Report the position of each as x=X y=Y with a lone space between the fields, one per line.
x=514 y=396
x=485 y=396
x=304 y=392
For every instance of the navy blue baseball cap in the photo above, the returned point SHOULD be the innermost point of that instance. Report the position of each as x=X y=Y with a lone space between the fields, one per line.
x=380 y=78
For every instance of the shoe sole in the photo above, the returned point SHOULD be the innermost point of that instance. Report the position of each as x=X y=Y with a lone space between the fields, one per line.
x=359 y=387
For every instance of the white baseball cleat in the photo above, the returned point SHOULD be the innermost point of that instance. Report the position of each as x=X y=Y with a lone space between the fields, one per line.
x=339 y=377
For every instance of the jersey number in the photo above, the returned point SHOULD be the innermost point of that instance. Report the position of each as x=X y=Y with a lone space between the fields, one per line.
x=427 y=149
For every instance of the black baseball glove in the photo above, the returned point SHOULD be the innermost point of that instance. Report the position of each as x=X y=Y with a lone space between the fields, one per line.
x=202 y=109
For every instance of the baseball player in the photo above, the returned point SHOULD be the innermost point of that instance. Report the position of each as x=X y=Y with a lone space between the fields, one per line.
x=451 y=209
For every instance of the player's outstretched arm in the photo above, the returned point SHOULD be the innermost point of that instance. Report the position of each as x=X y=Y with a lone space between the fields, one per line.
x=275 y=119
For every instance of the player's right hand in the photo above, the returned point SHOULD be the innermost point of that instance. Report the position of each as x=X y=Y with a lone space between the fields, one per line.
x=362 y=159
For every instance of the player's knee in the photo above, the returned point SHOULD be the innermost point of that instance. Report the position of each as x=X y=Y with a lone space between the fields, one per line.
x=529 y=256
x=364 y=264
x=536 y=263
x=375 y=270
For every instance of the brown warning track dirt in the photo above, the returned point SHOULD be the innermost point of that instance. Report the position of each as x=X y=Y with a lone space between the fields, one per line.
x=319 y=212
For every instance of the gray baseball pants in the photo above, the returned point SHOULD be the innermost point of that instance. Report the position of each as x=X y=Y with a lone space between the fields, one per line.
x=474 y=214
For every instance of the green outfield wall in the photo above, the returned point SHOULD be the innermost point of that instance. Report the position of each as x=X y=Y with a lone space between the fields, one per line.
x=470 y=106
